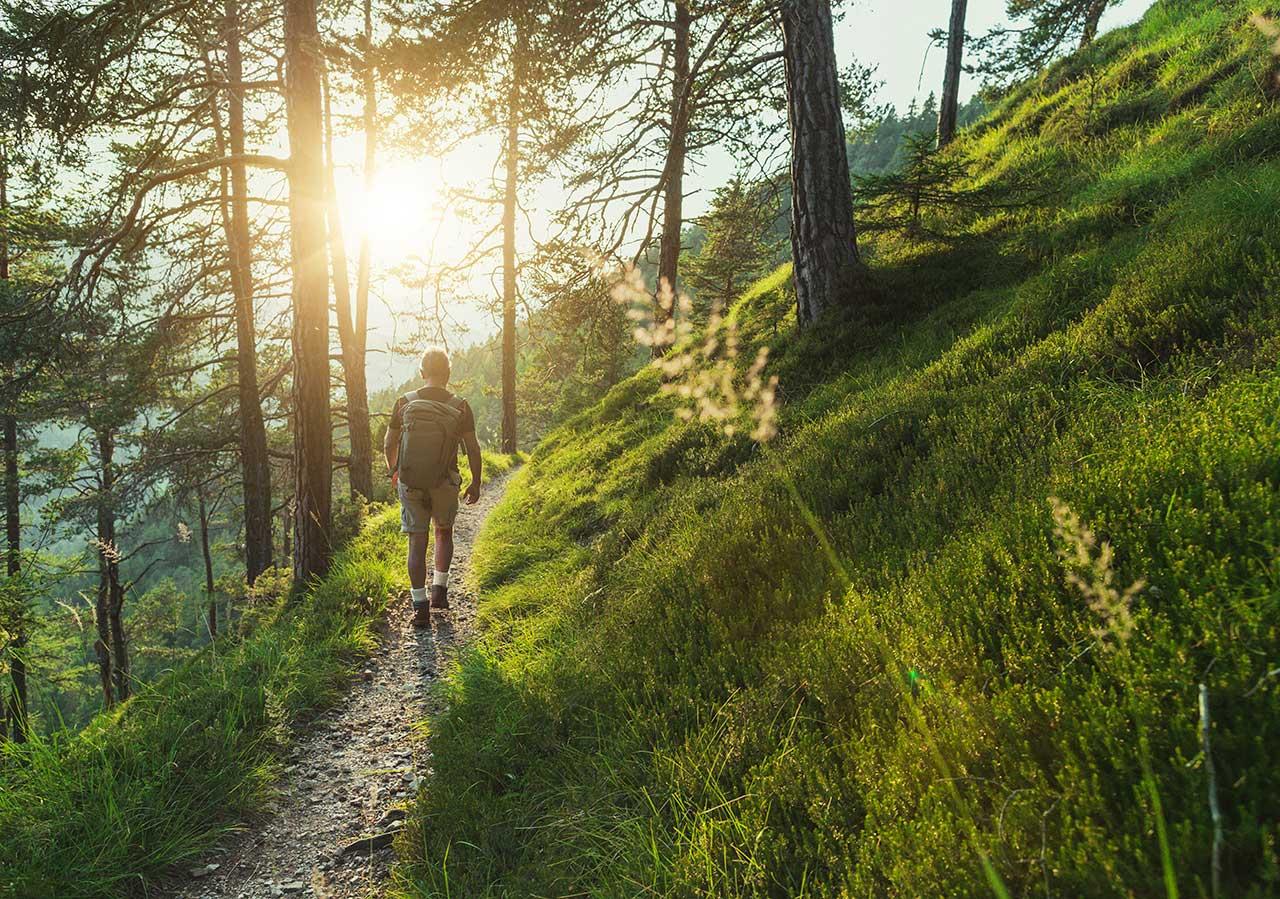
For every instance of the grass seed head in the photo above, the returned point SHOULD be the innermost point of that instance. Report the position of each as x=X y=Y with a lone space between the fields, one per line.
x=1090 y=573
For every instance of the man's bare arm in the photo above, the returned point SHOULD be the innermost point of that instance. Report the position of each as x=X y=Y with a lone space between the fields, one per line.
x=473 y=459
x=391 y=448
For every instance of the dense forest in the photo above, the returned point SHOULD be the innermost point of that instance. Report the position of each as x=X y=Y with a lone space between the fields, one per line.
x=878 y=499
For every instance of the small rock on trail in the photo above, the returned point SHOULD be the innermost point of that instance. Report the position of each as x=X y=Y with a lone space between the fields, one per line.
x=351 y=772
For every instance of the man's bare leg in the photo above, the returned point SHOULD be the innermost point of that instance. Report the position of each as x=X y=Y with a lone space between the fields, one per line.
x=443 y=559
x=418 y=578
x=418 y=560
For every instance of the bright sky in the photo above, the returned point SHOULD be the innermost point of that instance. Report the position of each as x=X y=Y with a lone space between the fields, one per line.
x=894 y=34
x=408 y=221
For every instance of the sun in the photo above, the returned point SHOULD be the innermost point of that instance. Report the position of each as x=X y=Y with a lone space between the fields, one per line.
x=399 y=215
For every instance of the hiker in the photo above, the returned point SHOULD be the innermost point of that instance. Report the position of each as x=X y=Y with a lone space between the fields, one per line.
x=422 y=458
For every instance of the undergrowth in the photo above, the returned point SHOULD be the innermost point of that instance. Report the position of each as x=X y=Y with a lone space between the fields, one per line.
x=103 y=812
x=679 y=693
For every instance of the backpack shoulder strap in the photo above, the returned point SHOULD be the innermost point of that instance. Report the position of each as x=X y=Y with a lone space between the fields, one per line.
x=405 y=401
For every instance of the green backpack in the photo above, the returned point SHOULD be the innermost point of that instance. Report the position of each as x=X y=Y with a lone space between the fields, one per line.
x=428 y=436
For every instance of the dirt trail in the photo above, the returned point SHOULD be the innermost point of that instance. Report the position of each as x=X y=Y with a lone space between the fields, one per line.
x=353 y=768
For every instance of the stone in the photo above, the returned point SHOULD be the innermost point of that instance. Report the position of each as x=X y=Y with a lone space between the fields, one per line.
x=391 y=816
x=370 y=843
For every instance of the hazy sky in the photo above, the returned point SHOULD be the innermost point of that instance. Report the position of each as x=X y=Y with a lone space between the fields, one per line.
x=408 y=217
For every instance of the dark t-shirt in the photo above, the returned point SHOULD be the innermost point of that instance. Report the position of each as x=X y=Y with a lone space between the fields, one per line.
x=467 y=424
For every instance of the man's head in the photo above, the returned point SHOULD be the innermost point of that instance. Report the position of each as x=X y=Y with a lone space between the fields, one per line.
x=435 y=367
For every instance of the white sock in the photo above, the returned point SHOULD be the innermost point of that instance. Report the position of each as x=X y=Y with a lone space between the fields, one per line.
x=419 y=595
x=440 y=578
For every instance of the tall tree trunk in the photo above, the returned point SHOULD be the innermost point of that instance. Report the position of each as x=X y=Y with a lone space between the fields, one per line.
x=673 y=181
x=286 y=533
x=828 y=272
x=255 y=466
x=208 y=564
x=313 y=440
x=357 y=385
x=1092 y=16
x=16 y=708
x=108 y=560
x=512 y=153
x=951 y=76
x=360 y=469
x=119 y=639
x=17 y=705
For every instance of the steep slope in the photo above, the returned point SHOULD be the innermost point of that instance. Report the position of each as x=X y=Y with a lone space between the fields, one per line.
x=855 y=660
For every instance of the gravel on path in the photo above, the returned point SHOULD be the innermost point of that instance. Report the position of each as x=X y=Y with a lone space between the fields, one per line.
x=349 y=776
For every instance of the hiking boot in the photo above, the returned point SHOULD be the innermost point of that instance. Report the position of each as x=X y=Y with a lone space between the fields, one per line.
x=439 y=596
x=422 y=616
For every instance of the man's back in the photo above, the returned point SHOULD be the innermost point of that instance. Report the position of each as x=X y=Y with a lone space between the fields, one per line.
x=466 y=422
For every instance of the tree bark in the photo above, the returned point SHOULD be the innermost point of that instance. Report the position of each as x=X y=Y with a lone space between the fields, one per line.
x=115 y=589
x=827 y=270
x=108 y=562
x=16 y=708
x=364 y=265
x=286 y=534
x=17 y=705
x=313 y=440
x=255 y=466
x=1092 y=17
x=208 y=564
x=357 y=380
x=673 y=178
x=360 y=468
x=512 y=154
x=947 y=112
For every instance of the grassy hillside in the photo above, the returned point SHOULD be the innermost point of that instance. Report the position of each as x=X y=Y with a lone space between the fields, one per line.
x=682 y=692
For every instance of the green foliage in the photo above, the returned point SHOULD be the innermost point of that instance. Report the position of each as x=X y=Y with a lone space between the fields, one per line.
x=738 y=248
x=679 y=693
x=579 y=344
x=151 y=784
x=931 y=183
x=1047 y=29
x=880 y=148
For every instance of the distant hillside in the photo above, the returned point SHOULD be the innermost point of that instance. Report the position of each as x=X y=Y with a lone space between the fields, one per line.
x=893 y=651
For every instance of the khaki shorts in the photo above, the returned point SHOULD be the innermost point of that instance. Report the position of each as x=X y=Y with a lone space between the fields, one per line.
x=419 y=507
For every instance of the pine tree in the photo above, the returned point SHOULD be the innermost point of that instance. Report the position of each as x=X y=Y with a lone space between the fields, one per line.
x=1047 y=29
x=510 y=69
x=737 y=249
x=716 y=82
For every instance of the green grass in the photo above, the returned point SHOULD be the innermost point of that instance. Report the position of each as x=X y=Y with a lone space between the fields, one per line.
x=678 y=693
x=495 y=465
x=101 y=813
